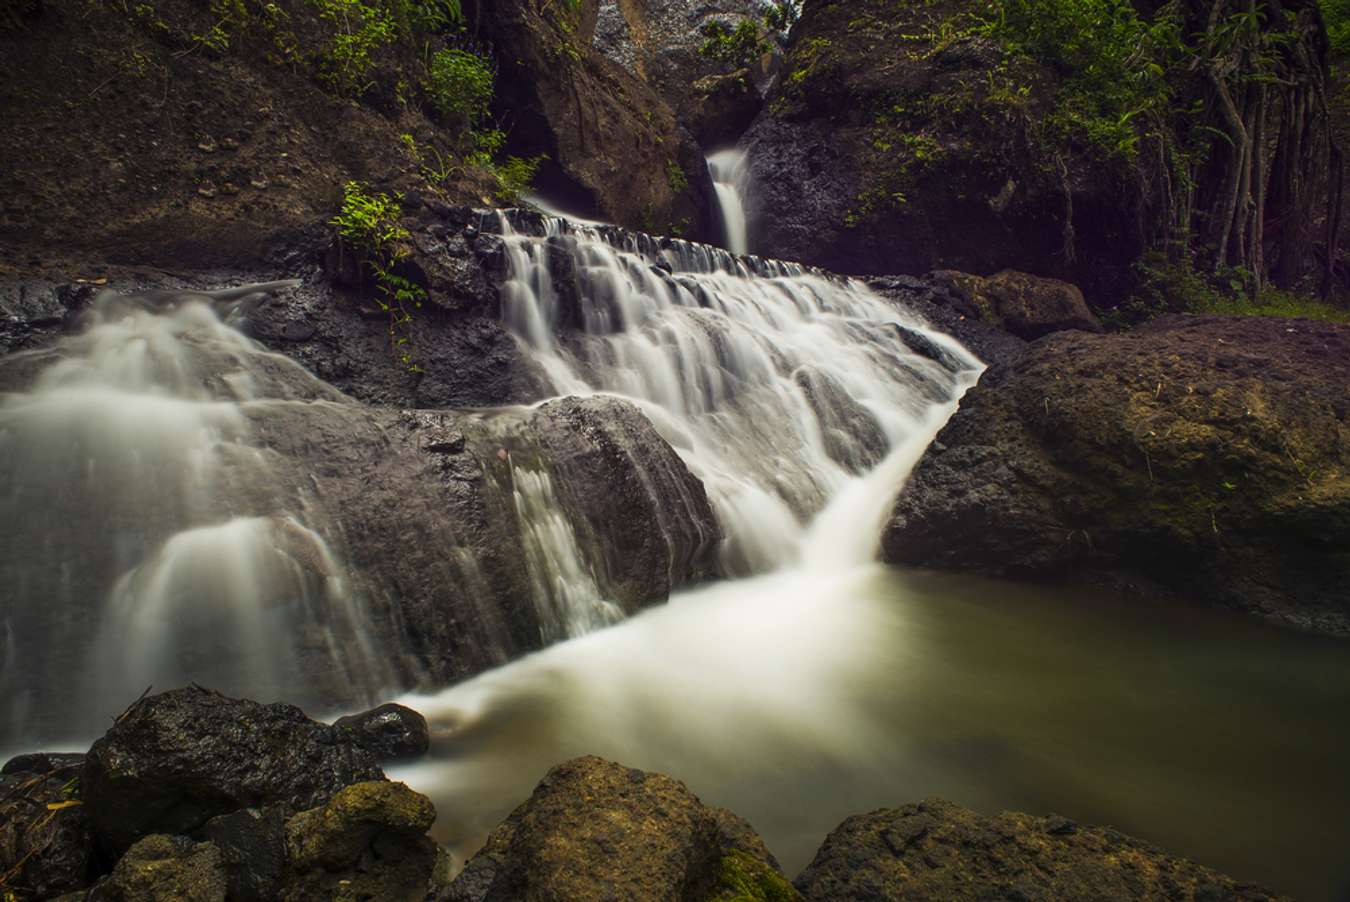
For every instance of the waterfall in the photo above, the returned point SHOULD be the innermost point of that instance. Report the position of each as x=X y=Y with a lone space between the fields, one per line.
x=728 y=172
x=777 y=384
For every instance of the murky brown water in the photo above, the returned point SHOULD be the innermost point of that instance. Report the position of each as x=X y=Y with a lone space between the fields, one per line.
x=801 y=698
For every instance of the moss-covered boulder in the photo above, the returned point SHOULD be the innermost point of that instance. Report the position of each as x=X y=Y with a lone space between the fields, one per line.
x=163 y=868
x=937 y=850
x=1027 y=306
x=1209 y=454
x=597 y=830
x=367 y=842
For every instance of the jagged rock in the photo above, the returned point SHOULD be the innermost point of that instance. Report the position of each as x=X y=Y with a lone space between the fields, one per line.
x=44 y=851
x=367 y=842
x=1207 y=453
x=174 y=761
x=390 y=731
x=163 y=868
x=613 y=147
x=1027 y=306
x=597 y=830
x=937 y=850
x=252 y=844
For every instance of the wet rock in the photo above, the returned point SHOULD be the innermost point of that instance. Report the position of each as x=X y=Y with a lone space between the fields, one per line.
x=651 y=525
x=46 y=842
x=853 y=437
x=367 y=842
x=1208 y=454
x=390 y=731
x=163 y=868
x=174 y=761
x=949 y=311
x=252 y=844
x=937 y=850
x=1027 y=306
x=597 y=830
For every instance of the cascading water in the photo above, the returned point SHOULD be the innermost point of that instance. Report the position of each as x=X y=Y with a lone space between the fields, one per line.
x=728 y=171
x=778 y=385
x=130 y=461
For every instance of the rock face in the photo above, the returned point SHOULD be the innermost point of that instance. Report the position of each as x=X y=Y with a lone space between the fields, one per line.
x=596 y=830
x=614 y=148
x=937 y=850
x=883 y=149
x=162 y=868
x=174 y=761
x=1209 y=454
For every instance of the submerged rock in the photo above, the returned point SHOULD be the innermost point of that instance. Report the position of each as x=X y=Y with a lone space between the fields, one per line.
x=1210 y=454
x=390 y=731
x=597 y=830
x=937 y=850
x=174 y=761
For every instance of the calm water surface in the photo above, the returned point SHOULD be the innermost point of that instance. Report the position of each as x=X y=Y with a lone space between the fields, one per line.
x=801 y=698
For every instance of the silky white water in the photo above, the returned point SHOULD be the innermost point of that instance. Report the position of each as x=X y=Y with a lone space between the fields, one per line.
x=728 y=171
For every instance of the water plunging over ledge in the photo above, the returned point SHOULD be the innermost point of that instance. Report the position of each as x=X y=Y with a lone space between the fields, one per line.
x=728 y=172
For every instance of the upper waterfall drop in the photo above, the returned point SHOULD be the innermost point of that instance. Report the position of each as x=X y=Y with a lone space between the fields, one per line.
x=728 y=171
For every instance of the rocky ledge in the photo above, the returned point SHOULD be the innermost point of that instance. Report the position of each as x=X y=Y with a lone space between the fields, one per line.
x=195 y=797
x=1208 y=454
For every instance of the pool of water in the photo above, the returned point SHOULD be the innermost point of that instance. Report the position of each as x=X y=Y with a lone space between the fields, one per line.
x=800 y=698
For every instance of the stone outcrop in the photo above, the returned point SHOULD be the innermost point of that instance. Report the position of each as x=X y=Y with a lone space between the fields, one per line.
x=1027 y=306
x=597 y=830
x=884 y=149
x=614 y=147
x=937 y=850
x=390 y=732
x=1209 y=454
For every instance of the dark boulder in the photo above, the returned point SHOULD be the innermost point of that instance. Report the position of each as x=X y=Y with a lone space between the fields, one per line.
x=390 y=732
x=174 y=761
x=46 y=841
x=252 y=844
x=937 y=850
x=949 y=311
x=597 y=830
x=1210 y=454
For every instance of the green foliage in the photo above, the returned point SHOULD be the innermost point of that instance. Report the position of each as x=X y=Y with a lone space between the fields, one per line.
x=368 y=222
x=1112 y=64
x=514 y=176
x=1336 y=14
x=734 y=47
x=1166 y=286
x=679 y=182
x=361 y=29
x=743 y=878
x=781 y=15
x=460 y=83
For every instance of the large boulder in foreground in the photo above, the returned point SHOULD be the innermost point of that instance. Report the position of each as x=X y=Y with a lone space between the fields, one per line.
x=174 y=761
x=1210 y=454
x=597 y=830
x=937 y=850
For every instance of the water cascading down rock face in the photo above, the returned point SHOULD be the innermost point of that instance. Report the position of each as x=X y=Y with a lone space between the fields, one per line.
x=187 y=506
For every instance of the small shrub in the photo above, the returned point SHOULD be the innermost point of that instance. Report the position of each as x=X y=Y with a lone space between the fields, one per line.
x=514 y=177
x=459 y=83
x=679 y=182
x=368 y=222
x=735 y=47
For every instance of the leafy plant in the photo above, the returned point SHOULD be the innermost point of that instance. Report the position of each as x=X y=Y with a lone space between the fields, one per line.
x=368 y=223
x=736 y=47
x=781 y=15
x=460 y=83
x=514 y=177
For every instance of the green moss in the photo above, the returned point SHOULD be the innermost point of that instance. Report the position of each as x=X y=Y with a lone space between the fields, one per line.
x=679 y=182
x=743 y=878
